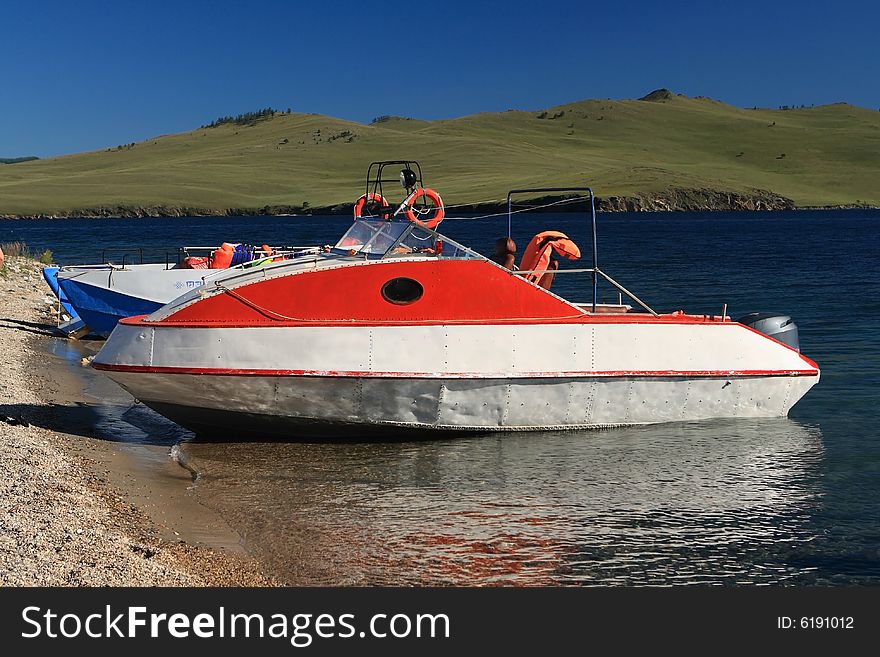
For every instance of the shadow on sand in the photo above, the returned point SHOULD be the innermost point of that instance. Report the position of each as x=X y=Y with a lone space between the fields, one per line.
x=37 y=328
x=75 y=419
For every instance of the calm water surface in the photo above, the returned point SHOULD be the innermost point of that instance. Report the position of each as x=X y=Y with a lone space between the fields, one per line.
x=793 y=500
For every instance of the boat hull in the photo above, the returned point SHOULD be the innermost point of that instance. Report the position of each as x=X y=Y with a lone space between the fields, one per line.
x=101 y=309
x=228 y=383
x=50 y=275
x=233 y=407
x=73 y=324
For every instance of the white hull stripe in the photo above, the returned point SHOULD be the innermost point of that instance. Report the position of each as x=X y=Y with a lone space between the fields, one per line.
x=477 y=351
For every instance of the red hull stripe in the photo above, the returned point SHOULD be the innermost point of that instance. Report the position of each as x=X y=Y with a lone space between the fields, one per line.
x=209 y=371
x=689 y=320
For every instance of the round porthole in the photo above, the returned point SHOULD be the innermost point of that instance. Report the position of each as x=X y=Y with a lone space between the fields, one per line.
x=402 y=291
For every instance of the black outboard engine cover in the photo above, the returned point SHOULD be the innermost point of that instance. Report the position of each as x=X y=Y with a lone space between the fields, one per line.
x=779 y=327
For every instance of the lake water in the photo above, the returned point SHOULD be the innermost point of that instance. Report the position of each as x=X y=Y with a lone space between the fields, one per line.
x=792 y=500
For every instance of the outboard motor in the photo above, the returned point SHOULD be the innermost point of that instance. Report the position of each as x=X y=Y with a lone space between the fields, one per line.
x=778 y=327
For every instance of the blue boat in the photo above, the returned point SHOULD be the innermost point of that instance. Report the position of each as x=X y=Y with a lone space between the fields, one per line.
x=103 y=294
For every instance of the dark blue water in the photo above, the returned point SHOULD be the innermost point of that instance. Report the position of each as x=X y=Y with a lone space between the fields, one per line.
x=793 y=501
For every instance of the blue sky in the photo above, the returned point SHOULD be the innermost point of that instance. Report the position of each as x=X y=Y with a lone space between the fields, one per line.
x=90 y=74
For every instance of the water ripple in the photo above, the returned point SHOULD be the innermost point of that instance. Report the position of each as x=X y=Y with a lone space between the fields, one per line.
x=653 y=505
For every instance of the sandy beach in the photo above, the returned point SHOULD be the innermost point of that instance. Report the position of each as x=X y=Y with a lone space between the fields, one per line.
x=71 y=512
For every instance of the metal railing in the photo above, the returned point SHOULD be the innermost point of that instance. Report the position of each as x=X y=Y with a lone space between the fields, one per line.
x=594 y=271
x=125 y=254
x=175 y=258
x=291 y=258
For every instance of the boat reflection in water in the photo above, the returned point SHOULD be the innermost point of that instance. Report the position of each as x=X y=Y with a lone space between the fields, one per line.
x=728 y=501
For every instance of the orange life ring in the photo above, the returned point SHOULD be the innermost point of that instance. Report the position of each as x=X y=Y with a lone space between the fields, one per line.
x=439 y=212
x=362 y=201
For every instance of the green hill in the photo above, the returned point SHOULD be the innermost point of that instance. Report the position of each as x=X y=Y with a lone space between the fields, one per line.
x=664 y=150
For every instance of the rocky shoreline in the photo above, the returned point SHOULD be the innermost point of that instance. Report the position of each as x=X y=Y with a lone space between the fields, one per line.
x=61 y=522
x=670 y=200
x=699 y=200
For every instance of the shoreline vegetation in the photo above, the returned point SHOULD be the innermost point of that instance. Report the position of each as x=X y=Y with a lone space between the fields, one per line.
x=64 y=519
x=726 y=203
x=697 y=200
x=663 y=152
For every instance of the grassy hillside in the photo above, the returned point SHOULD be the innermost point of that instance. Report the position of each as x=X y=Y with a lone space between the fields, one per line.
x=825 y=155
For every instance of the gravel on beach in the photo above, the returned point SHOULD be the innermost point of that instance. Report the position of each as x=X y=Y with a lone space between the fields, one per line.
x=60 y=524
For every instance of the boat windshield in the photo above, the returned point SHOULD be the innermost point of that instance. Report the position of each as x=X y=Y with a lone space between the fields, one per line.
x=371 y=237
x=380 y=239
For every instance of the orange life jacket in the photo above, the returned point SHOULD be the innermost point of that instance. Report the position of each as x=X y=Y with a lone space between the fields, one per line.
x=222 y=257
x=268 y=251
x=537 y=253
x=195 y=262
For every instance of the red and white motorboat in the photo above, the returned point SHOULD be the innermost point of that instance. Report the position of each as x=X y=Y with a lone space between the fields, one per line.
x=399 y=329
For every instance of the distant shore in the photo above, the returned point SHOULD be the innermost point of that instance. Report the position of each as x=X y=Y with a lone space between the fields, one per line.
x=674 y=200
x=70 y=512
x=338 y=211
